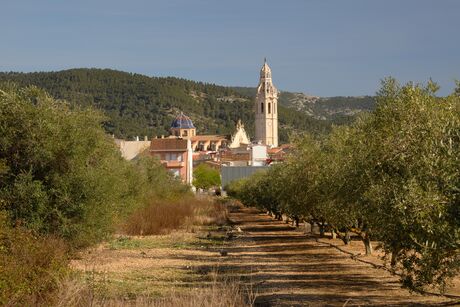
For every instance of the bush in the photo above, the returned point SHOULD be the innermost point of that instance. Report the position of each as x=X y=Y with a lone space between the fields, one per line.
x=164 y=216
x=205 y=177
x=31 y=266
x=62 y=174
x=159 y=217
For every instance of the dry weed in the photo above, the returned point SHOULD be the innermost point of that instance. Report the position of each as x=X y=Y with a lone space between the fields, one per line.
x=74 y=293
x=162 y=217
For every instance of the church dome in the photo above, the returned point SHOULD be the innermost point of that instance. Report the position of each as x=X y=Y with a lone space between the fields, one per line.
x=183 y=122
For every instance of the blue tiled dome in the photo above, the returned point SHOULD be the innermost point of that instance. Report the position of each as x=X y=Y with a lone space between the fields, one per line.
x=182 y=121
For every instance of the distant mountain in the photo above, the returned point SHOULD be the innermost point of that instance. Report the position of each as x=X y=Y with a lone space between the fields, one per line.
x=337 y=110
x=137 y=105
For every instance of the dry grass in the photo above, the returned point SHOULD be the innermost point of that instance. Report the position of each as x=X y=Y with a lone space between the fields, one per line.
x=162 y=258
x=210 y=213
x=30 y=267
x=74 y=293
x=219 y=294
x=162 y=217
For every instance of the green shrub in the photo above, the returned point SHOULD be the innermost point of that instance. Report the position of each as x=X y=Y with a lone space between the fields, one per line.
x=62 y=174
x=205 y=177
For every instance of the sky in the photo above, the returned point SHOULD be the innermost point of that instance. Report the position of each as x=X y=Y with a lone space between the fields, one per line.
x=321 y=47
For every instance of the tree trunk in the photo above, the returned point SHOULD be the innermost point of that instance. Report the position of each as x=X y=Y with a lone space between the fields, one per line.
x=321 y=230
x=347 y=238
x=334 y=234
x=367 y=244
x=394 y=256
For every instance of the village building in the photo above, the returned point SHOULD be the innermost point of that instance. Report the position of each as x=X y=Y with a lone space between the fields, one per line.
x=176 y=155
x=183 y=127
x=278 y=154
x=131 y=149
x=184 y=148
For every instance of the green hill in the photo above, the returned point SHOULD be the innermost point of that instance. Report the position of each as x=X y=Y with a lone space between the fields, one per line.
x=137 y=105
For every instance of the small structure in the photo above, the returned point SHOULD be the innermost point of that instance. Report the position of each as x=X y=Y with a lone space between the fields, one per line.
x=240 y=138
x=131 y=149
x=258 y=155
x=208 y=142
x=182 y=126
x=279 y=154
x=232 y=173
x=176 y=155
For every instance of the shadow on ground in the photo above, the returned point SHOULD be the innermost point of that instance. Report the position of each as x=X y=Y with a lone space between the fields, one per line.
x=287 y=268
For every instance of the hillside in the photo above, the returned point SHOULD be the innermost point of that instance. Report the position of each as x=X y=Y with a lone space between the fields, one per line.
x=337 y=110
x=137 y=105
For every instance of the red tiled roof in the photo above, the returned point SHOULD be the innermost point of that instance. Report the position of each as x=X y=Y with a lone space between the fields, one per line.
x=173 y=144
x=274 y=150
x=208 y=138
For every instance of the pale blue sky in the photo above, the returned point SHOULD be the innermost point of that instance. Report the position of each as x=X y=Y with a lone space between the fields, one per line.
x=321 y=47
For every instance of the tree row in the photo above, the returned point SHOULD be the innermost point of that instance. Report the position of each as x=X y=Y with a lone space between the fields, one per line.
x=393 y=176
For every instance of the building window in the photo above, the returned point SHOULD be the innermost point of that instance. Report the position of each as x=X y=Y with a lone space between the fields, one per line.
x=269 y=108
x=185 y=133
x=171 y=156
x=262 y=107
x=175 y=172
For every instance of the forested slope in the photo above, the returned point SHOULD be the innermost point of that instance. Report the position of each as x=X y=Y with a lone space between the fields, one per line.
x=137 y=105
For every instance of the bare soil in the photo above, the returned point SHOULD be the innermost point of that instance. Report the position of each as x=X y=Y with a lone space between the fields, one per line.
x=280 y=265
x=290 y=268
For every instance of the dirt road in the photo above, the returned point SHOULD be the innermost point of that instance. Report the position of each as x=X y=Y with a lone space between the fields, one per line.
x=287 y=268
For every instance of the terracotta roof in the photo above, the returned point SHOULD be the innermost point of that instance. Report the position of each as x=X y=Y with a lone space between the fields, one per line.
x=174 y=144
x=229 y=156
x=286 y=146
x=274 y=150
x=208 y=138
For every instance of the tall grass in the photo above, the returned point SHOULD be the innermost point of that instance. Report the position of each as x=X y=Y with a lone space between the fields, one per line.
x=74 y=293
x=164 y=216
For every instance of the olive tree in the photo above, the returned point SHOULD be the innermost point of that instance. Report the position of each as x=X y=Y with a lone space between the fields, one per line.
x=412 y=199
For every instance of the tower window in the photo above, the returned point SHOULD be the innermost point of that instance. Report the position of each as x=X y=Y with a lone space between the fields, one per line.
x=262 y=107
x=269 y=108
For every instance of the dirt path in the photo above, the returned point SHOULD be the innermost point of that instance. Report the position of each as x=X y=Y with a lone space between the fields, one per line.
x=286 y=268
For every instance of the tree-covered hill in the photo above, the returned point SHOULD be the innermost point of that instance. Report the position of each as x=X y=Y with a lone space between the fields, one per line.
x=137 y=105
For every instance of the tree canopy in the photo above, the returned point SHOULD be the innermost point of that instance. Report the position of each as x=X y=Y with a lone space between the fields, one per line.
x=205 y=177
x=61 y=173
x=393 y=176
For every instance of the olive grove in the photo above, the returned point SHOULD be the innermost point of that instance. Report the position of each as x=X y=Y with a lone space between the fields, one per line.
x=393 y=176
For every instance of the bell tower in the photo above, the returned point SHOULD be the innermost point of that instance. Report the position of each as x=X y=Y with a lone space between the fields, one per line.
x=266 y=107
